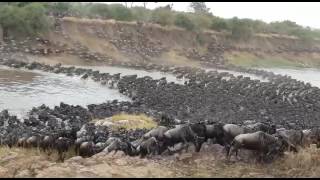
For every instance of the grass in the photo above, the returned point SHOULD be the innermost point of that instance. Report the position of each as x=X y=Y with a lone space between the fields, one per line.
x=250 y=60
x=29 y=152
x=246 y=59
x=305 y=163
x=133 y=121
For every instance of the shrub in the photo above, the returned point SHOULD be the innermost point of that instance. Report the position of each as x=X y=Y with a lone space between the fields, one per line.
x=35 y=18
x=219 y=24
x=101 y=10
x=141 y=14
x=241 y=30
x=28 y=20
x=183 y=21
x=120 y=12
x=201 y=21
x=162 y=16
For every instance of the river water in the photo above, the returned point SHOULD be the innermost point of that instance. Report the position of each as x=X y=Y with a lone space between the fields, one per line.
x=20 y=90
x=309 y=75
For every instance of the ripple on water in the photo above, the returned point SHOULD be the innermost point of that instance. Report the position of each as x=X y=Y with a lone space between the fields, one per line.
x=20 y=90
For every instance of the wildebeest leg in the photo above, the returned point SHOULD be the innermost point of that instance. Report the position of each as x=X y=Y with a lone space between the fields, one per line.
x=230 y=152
x=60 y=156
x=186 y=145
x=76 y=150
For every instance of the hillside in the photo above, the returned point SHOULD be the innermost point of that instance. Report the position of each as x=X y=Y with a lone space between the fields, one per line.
x=130 y=41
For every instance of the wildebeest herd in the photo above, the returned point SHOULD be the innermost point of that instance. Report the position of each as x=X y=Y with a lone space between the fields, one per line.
x=209 y=105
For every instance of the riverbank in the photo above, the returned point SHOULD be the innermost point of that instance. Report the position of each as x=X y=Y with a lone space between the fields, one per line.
x=252 y=60
x=17 y=162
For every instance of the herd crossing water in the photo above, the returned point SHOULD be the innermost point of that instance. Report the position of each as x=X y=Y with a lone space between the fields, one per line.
x=34 y=88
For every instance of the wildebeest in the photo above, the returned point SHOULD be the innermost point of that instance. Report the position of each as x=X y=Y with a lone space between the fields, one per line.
x=270 y=129
x=194 y=133
x=215 y=131
x=314 y=136
x=79 y=141
x=229 y=132
x=261 y=142
x=157 y=132
x=22 y=142
x=149 y=146
x=62 y=144
x=47 y=143
x=33 y=141
x=293 y=138
x=118 y=145
x=306 y=137
x=87 y=149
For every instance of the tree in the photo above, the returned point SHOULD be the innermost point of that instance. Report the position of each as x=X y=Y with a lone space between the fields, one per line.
x=199 y=7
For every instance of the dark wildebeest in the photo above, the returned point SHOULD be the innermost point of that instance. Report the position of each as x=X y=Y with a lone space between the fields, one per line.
x=261 y=142
x=79 y=141
x=87 y=149
x=33 y=141
x=62 y=144
x=22 y=142
x=194 y=133
x=47 y=143
x=215 y=131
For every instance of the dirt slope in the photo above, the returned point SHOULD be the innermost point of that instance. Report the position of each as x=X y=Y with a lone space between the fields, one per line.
x=129 y=41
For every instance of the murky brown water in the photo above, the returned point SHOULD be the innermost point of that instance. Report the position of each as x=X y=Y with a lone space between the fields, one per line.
x=20 y=90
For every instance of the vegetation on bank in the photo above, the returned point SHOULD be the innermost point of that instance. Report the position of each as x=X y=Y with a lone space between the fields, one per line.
x=249 y=60
x=129 y=121
x=25 y=19
x=32 y=18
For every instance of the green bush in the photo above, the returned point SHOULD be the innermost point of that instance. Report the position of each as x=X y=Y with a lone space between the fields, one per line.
x=28 y=20
x=219 y=24
x=183 y=21
x=241 y=30
x=201 y=21
x=162 y=16
x=101 y=10
x=141 y=14
x=120 y=12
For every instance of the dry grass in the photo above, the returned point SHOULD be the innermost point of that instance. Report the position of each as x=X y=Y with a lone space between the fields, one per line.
x=306 y=163
x=129 y=121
